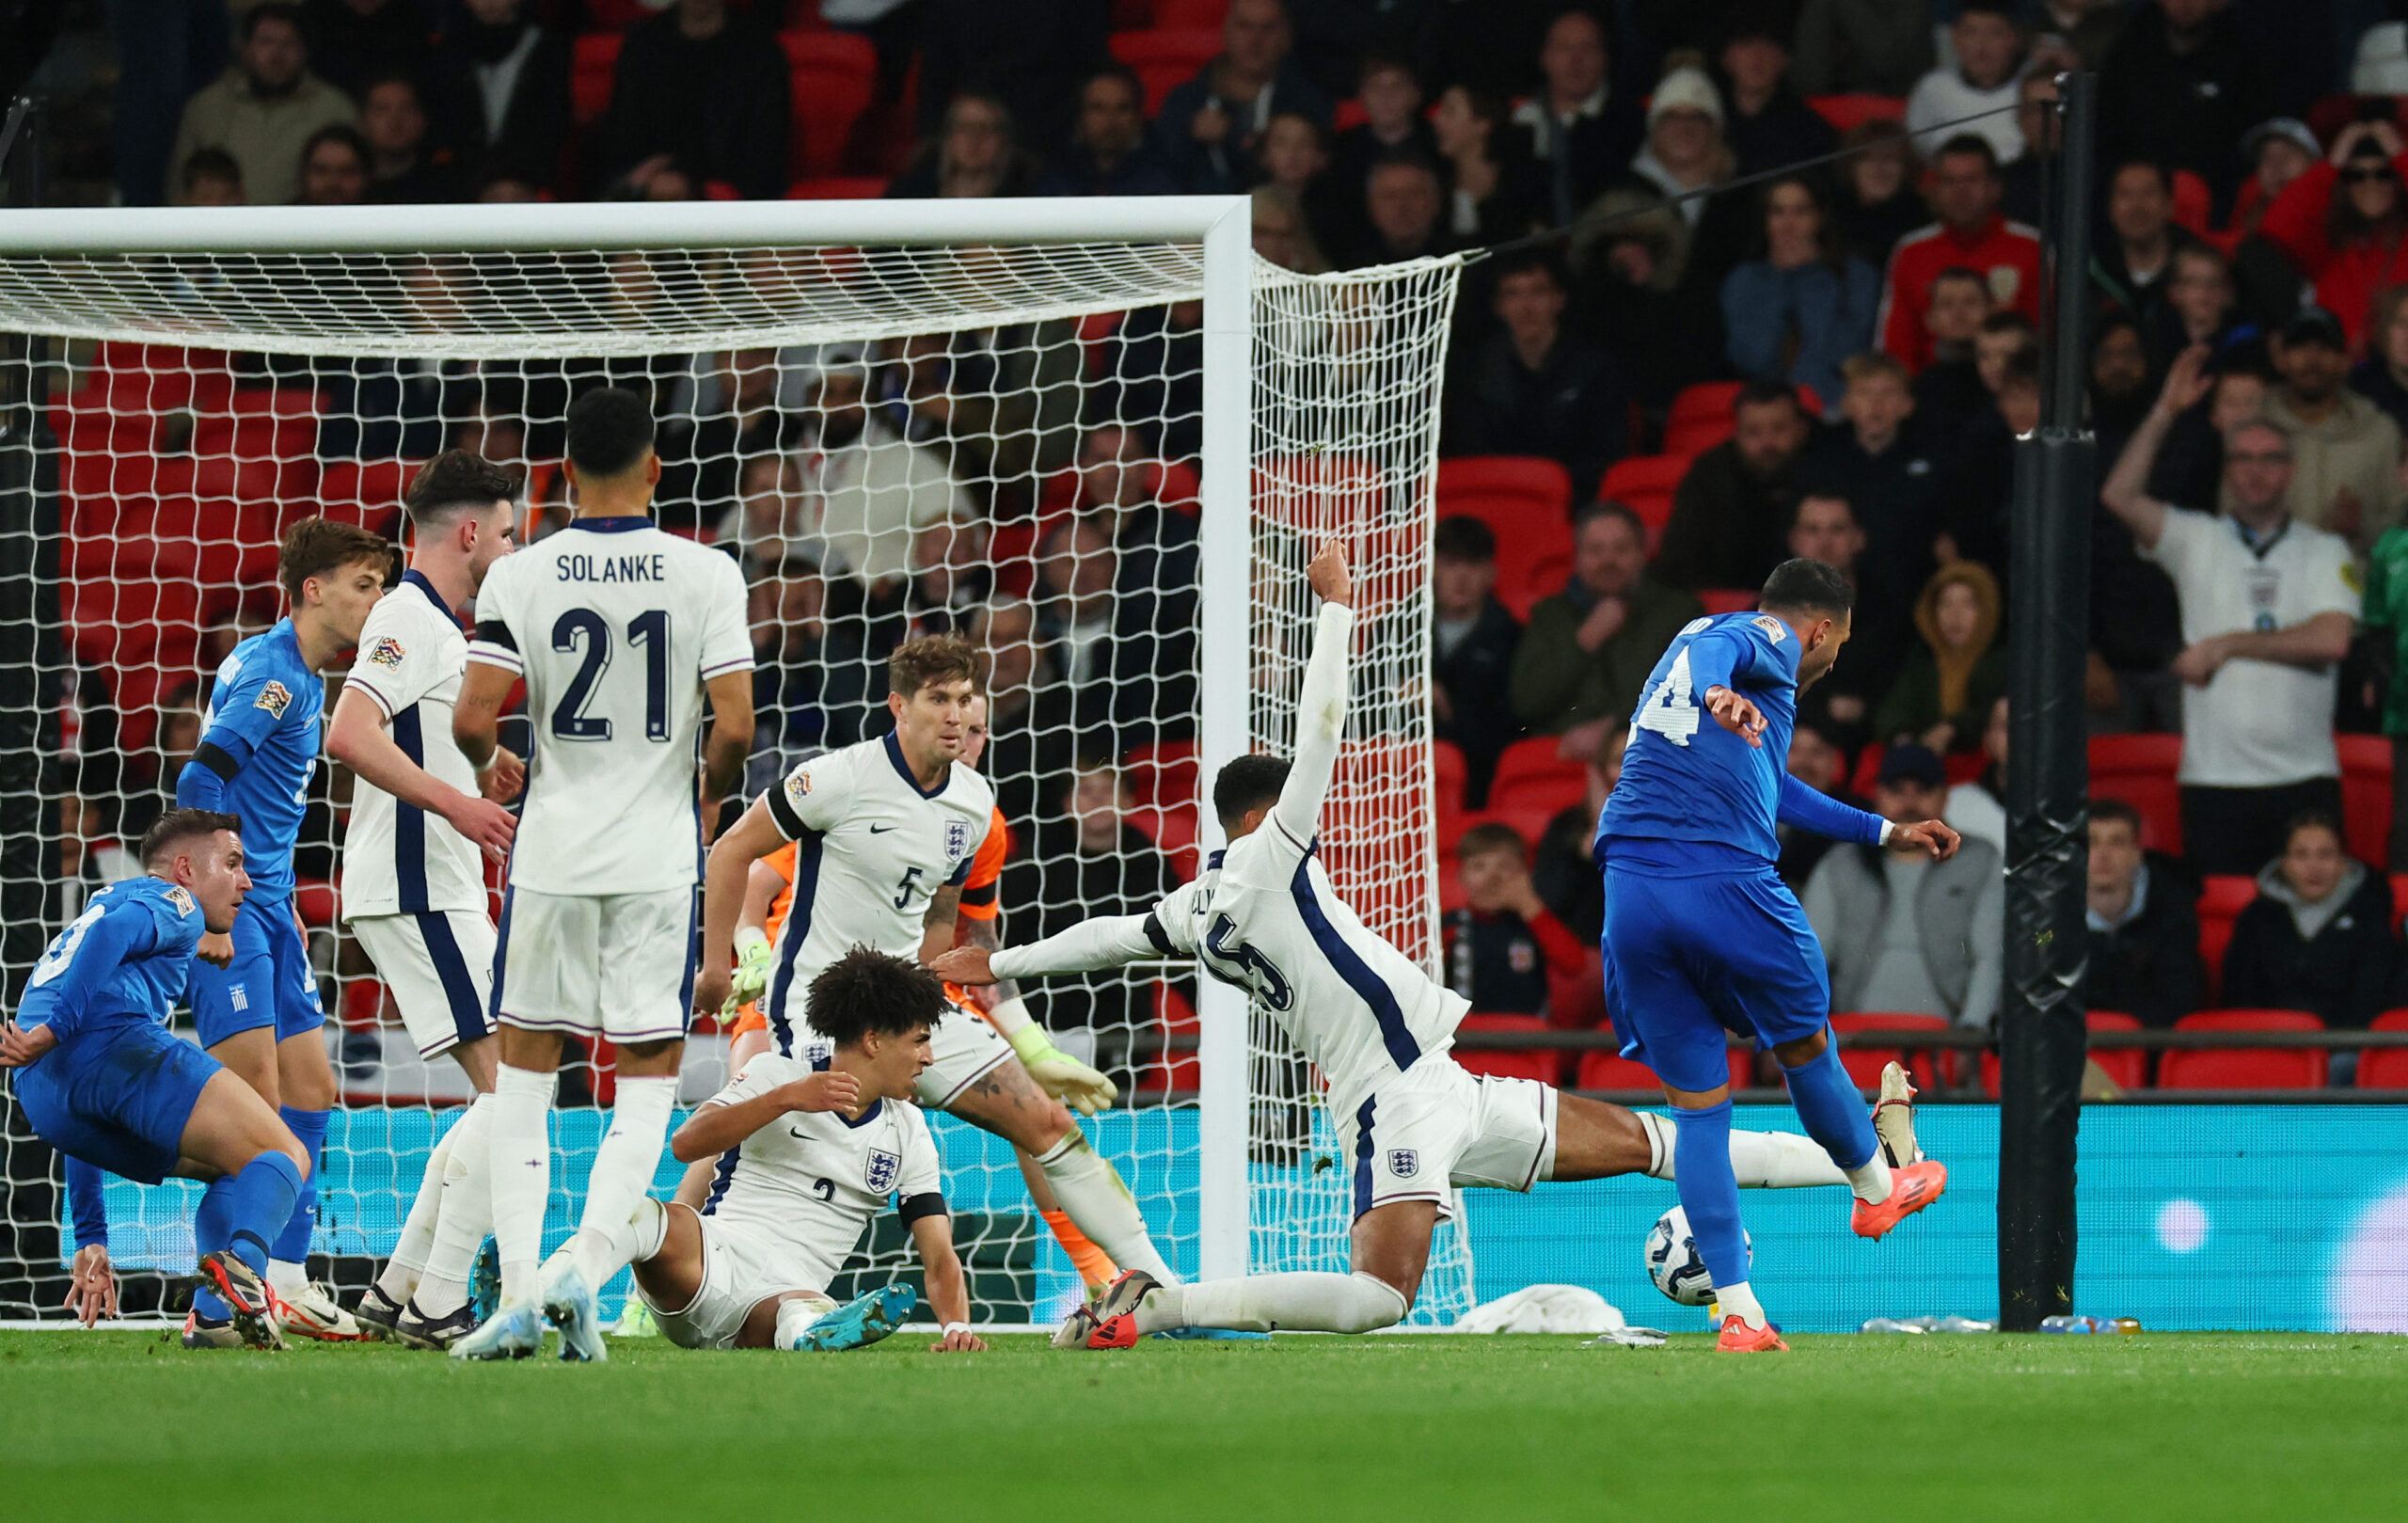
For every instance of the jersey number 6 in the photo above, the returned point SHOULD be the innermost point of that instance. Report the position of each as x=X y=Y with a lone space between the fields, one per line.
x=649 y=630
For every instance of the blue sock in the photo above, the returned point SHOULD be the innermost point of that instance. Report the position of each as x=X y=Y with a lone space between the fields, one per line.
x=291 y=1243
x=1826 y=1101
x=258 y=1201
x=1709 y=1190
x=212 y=1228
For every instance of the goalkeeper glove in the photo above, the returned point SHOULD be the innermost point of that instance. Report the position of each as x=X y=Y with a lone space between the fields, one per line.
x=1061 y=1075
x=752 y=957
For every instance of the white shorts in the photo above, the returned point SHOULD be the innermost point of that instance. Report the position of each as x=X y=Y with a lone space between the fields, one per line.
x=613 y=965
x=966 y=1050
x=438 y=965
x=738 y=1273
x=1434 y=1127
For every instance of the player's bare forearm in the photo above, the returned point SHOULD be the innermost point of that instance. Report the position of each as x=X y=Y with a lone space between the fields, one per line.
x=726 y=879
x=731 y=737
x=2321 y=641
x=987 y=936
x=761 y=888
x=476 y=717
x=21 y=1045
x=948 y=1289
x=358 y=738
x=937 y=927
x=715 y=1129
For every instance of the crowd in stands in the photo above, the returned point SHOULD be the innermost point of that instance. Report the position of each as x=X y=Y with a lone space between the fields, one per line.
x=1693 y=384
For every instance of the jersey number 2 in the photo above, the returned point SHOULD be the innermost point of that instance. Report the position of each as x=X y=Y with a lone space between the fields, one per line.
x=1670 y=711
x=649 y=630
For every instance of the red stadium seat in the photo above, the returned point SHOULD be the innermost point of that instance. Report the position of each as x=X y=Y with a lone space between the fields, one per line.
x=2222 y=898
x=1163 y=774
x=2366 y=795
x=1845 y=111
x=367 y=493
x=1645 y=483
x=1447 y=776
x=1868 y=769
x=2245 y=1068
x=1965 y=765
x=2127 y=1066
x=592 y=70
x=1726 y=600
x=1544 y=1064
x=1544 y=482
x=837 y=188
x=2384 y=1068
x=1173 y=832
x=2139 y=770
x=1603 y=1067
x=1700 y=415
x=835 y=77
x=1166 y=58
x=1864 y=1064
x=2194 y=206
x=1173 y=1017
x=1533 y=546
x=1199 y=15
x=1533 y=784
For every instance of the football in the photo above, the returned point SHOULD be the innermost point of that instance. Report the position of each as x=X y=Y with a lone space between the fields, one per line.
x=1672 y=1261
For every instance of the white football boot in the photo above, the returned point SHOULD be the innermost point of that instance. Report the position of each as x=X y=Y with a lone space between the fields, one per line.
x=314 y=1312
x=1894 y=1118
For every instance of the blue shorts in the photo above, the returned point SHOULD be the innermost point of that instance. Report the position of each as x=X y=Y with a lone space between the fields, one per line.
x=1690 y=959
x=117 y=1096
x=270 y=982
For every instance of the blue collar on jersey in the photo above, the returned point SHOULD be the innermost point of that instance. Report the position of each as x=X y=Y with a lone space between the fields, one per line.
x=1213 y=863
x=894 y=754
x=613 y=526
x=819 y=1065
x=417 y=579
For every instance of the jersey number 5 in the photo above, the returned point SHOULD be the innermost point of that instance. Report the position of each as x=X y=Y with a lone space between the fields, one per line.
x=1241 y=964
x=649 y=631
x=1670 y=710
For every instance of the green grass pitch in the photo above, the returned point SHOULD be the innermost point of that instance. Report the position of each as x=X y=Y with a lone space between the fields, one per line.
x=127 y=1425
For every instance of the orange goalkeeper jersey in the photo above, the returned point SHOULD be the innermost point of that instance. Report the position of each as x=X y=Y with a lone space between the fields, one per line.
x=979 y=901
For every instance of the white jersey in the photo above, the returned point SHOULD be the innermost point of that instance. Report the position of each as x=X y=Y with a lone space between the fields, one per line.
x=399 y=859
x=808 y=1183
x=616 y=626
x=1264 y=918
x=873 y=848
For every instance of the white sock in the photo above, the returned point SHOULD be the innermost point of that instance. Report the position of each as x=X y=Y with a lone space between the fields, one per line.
x=402 y=1271
x=1739 y=1301
x=798 y=1314
x=520 y=1159
x=1304 y=1301
x=622 y=1170
x=1762 y=1160
x=636 y=1237
x=1872 y=1182
x=1096 y=1200
x=465 y=1217
x=287 y=1278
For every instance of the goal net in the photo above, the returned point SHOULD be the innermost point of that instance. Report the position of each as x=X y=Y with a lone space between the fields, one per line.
x=1101 y=454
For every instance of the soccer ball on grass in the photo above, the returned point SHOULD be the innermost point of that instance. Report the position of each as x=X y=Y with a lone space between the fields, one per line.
x=1674 y=1262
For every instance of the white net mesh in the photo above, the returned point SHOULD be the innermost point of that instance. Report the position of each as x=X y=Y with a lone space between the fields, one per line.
x=999 y=441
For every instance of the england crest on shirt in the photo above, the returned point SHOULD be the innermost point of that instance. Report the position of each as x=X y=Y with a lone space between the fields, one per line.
x=881 y=1171
x=957 y=839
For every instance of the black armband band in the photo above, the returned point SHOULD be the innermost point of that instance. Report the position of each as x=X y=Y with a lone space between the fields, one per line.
x=215 y=759
x=978 y=898
x=912 y=1208
x=495 y=632
x=784 y=813
x=1156 y=934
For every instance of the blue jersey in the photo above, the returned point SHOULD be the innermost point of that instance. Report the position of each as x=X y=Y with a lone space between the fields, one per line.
x=124 y=959
x=1684 y=778
x=263 y=728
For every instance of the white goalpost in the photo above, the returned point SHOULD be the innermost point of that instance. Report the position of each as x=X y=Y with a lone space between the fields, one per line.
x=1097 y=436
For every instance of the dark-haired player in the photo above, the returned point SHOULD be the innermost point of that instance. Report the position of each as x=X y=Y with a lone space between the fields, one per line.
x=623 y=632
x=413 y=880
x=254 y=994
x=1701 y=936
x=104 y=1082
x=1412 y=1123
x=810 y=1147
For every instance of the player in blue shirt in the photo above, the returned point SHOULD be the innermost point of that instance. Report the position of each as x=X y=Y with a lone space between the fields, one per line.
x=1703 y=937
x=104 y=1082
x=254 y=994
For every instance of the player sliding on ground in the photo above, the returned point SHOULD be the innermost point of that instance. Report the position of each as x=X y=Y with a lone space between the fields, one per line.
x=621 y=631
x=413 y=880
x=808 y=1150
x=1411 y=1122
x=1703 y=937
x=886 y=832
x=104 y=1082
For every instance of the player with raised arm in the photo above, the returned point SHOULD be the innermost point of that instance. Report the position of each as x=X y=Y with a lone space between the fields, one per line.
x=103 y=1080
x=413 y=880
x=254 y=994
x=806 y=1150
x=621 y=631
x=887 y=832
x=1701 y=936
x=1263 y=918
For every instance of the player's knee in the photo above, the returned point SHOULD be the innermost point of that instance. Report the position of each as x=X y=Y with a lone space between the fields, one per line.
x=1801 y=1052
x=290 y=1146
x=1374 y=1303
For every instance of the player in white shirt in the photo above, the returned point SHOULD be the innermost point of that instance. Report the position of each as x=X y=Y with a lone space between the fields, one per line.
x=809 y=1149
x=621 y=631
x=1414 y=1124
x=413 y=874
x=887 y=830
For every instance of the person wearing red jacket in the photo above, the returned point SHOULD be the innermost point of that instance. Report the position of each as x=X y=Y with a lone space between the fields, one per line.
x=1964 y=193
x=2345 y=224
x=1503 y=941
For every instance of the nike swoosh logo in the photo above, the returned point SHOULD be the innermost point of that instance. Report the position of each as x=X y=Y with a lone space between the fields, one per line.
x=879 y=830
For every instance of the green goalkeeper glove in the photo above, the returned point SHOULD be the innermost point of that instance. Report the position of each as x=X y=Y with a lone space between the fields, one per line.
x=1061 y=1075
x=753 y=958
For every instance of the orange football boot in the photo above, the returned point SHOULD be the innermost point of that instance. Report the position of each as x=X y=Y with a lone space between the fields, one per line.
x=1911 y=1188
x=1738 y=1338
